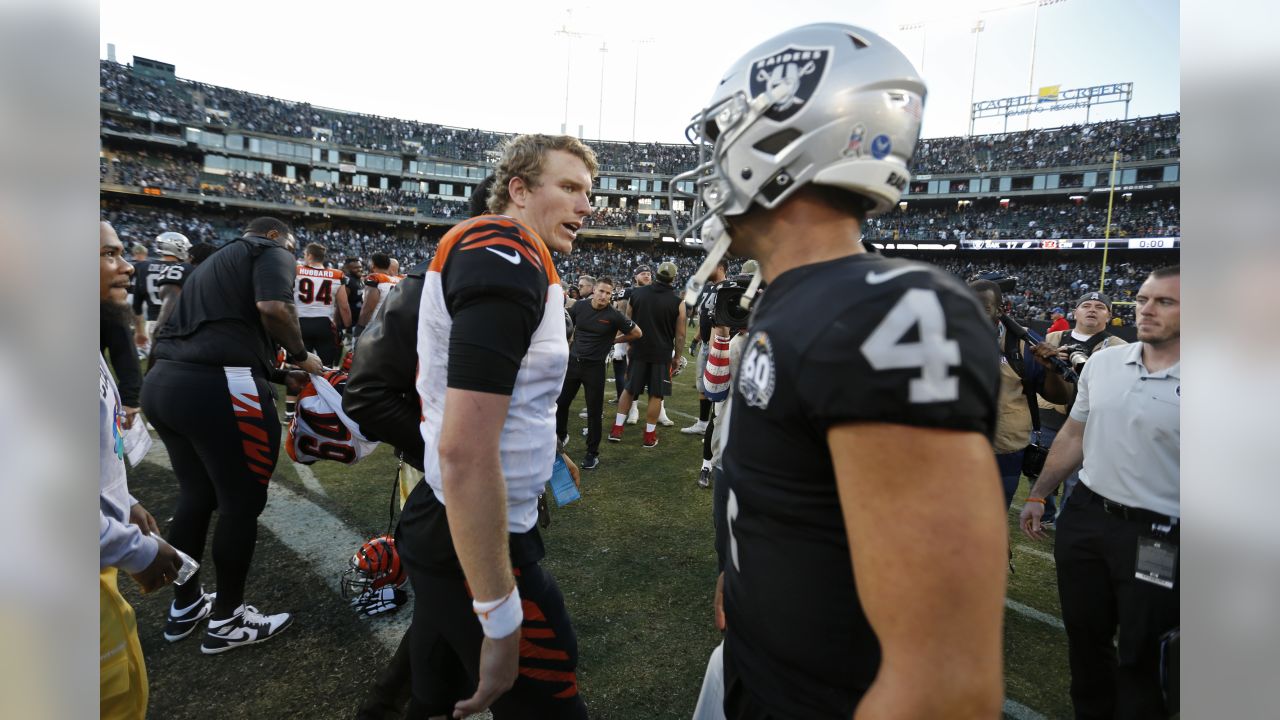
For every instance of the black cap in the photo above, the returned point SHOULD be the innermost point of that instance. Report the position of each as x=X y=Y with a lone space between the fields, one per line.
x=642 y=268
x=1100 y=297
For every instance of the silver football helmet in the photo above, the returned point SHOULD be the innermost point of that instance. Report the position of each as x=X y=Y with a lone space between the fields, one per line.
x=829 y=104
x=173 y=243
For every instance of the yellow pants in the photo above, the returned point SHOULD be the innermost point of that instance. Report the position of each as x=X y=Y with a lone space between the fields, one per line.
x=122 y=679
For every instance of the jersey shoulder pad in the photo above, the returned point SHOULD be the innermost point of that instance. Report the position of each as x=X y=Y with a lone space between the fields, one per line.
x=909 y=345
x=494 y=255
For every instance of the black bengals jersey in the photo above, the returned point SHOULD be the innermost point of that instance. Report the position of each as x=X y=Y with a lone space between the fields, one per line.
x=861 y=338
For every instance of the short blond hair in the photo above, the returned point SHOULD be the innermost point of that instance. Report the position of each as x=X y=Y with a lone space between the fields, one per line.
x=524 y=156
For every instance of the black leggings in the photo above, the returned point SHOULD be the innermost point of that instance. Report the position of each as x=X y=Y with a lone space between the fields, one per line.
x=222 y=433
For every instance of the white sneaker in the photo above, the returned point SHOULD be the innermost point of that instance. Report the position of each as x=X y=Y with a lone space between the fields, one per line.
x=665 y=421
x=246 y=627
x=698 y=428
x=583 y=414
x=633 y=417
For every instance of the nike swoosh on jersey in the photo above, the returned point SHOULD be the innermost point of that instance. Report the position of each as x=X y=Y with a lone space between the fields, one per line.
x=513 y=258
x=875 y=278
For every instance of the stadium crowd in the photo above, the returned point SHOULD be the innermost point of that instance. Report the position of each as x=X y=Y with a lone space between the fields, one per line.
x=1041 y=218
x=1043 y=283
x=187 y=101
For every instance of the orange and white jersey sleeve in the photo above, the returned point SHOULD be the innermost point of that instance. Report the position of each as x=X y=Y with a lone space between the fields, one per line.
x=383 y=282
x=494 y=255
x=315 y=290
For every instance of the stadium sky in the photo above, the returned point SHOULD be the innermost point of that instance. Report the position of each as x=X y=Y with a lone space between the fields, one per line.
x=501 y=65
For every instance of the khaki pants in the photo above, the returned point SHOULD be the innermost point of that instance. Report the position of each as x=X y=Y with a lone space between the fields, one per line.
x=122 y=678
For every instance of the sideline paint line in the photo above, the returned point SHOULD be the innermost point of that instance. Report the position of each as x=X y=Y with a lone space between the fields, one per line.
x=1018 y=711
x=1033 y=551
x=1033 y=613
x=321 y=540
x=309 y=480
x=682 y=414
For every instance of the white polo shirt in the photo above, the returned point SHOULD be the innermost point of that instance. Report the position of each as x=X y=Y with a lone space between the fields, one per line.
x=1131 y=433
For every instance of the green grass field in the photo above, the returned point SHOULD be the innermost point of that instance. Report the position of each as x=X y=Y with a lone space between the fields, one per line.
x=634 y=557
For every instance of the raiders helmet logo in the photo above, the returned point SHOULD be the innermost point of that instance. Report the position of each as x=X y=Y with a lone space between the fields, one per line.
x=796 y=71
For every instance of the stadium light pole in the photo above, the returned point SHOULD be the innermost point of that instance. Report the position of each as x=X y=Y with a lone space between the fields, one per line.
x=924 y=39
x=977 y=29
x=569 y=35
x=635 y=97
x=604 y=48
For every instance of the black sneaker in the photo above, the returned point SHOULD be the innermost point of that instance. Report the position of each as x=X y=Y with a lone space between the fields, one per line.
x=182 y=622
x=704 y=478
x=246 y=627
x=590 y=462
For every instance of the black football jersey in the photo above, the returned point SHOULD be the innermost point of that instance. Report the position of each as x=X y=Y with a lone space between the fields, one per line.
x=861 y=338
x=149 y=276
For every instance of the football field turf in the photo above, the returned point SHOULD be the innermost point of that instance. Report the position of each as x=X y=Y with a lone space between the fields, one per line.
x=635 y=560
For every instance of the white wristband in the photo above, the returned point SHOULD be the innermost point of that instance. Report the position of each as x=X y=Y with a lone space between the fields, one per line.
x=499 y=618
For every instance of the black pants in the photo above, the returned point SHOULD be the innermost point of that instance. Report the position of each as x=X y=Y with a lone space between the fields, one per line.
x=1096 y=553
x=321 y=335
x=588 y=374
x=446 y=638
x=619 y=377
x=222 y=433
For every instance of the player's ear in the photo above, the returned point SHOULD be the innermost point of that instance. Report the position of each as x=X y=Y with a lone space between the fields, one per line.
x=519 y=191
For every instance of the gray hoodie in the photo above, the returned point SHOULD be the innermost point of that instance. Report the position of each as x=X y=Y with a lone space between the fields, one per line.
x=120 y=544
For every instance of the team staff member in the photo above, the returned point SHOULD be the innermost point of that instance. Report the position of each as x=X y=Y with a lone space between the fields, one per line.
x=1093 y=313
x=657 y=309
x=642 y=276
x=319 y=292
x=597 y=325
x=127 y=534
x=866 y=390
x=491 y=359
x=353 y=279
x=1117 y=539
x=210 y=398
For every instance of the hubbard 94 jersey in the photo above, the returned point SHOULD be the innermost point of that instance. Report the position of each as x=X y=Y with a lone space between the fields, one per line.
x=320 y=430
x=861 y=338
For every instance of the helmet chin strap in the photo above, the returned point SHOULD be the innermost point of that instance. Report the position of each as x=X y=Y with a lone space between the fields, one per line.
x=744 y=302
x=712 y=228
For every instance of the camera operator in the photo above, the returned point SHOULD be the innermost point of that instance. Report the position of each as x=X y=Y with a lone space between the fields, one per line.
x=1013 y=403
x=1093 y=313
x=704 y=310
x=1116 y=550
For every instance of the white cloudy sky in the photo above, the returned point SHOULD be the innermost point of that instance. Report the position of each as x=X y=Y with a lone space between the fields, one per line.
x=501 y=65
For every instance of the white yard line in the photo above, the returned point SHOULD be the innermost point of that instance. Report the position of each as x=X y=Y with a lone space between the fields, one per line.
x=320 y=539
x=309 y=480
x=1042 y=554
x=1033 y=613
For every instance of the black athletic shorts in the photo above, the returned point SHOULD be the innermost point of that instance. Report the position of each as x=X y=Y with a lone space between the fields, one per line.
x=447 y=635
x=321 y=335
x=654 y=377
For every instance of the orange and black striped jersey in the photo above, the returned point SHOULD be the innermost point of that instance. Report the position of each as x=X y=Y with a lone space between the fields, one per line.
x=315 y=290
x=384 y=282
x=488 y=257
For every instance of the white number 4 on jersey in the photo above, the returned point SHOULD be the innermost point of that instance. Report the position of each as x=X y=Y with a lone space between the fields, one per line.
x=933 y=353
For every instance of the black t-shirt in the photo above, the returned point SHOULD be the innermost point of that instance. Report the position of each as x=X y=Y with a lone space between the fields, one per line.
x=705 y=306
x=655 y=308
x=217 y=322
x=148 y=276
x=595 y=330
x=355 y=295
x=832 y=343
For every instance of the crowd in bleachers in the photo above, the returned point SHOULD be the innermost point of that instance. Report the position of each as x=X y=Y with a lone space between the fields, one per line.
x=1148 y=138
x=1039 y=218
x=199 y=103
x=1044 y=282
